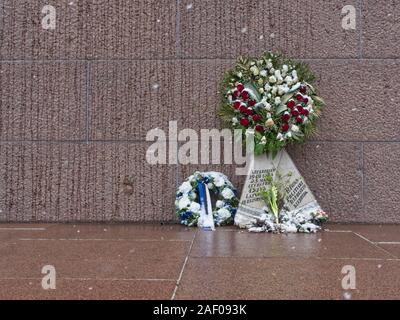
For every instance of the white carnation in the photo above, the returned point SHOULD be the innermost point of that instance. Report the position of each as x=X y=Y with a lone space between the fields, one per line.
x=280 y=136
x=195 y=207
x=185 y=187
x=234 y=120
x=184 y=202
x=277 y=73
x=255 y=70
x=219 y=204
x=277 y=100
x=263 y=73
x=269 y=65
x=267 y=87
x=227 y=193
x=219 y=181
x=295 y=128
x=223 y=213
x=263 y=140
x=272 y=79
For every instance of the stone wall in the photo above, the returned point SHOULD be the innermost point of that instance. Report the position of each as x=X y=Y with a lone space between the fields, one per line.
x=77 y=101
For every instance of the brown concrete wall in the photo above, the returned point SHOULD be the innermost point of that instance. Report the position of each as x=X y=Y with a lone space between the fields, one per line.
x=76 y=102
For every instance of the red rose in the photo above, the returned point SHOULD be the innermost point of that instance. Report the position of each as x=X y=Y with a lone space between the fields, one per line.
x=295 y=113
x=291 y=104
x=299 y=120
x=245 y=95
x=305 y=112
x=256 y=117
x=305 y=100
x=236 y=105
x=259 y=128
x=286 y=117
x=250 y=111
x=299 y=97
x=240 y=87
x=285 y=127
x=235 y=94
x=243 y=108
x=244 y=122
x=300 y=108
x=303 y=89
x=251 y=102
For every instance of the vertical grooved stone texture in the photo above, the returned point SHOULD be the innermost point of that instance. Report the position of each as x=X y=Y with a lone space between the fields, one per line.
x=333 y=173
x=130 y=98
x=42 y=101
x=361 y=102
x=382 y=176
x=79 y=182
x=88 y=29
x=381 y=29
x=303 y=28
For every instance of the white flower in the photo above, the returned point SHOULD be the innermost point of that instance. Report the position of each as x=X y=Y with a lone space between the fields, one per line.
x=280 y=137
x=194 y=207
x=234 y=120
x=184 y=202
x=263 y=73
x=295 y=128
x=277 y=100
x=219 y=204
x=263 y=140
x=272 y=71
x=261 y=90
x=267 y=106
x=285 y=68
x=294 y=73
x=274 y=90
x=269 y=115
x=223 y=213
x=267 y=87
x=239 y=74
x=277 y=73
x=289 y=135
x=227 y=193
x=255 y=70
x=272 y=79
x=219 y=181
x=185 y=187
x=295 y=79
x=192 y=178
x=210 y=186
x=269 y=65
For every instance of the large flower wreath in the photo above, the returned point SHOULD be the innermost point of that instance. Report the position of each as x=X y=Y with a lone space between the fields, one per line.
x=187 y=198
x=272 y=96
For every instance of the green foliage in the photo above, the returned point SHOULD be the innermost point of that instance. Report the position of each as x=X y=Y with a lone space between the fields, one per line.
x=275 y=195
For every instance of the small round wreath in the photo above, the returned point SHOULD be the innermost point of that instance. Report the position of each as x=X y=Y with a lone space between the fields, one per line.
x=187 y=198
x=273 y=97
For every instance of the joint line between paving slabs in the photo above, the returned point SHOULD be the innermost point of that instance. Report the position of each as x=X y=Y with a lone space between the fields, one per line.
x=178 y=282
x=375 y=245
